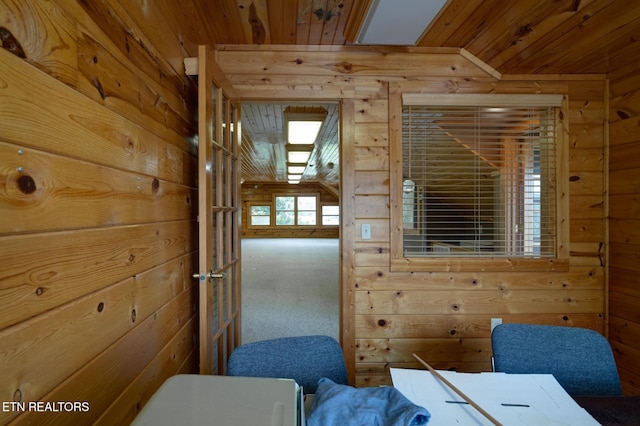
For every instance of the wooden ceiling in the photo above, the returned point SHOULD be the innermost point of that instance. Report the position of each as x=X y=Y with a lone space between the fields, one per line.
x=263 y=144
x=512 y=36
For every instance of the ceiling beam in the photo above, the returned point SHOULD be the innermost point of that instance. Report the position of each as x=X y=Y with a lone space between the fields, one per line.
x=330 y=188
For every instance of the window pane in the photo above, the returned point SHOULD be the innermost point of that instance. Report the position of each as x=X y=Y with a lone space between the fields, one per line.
x=330 y=210
x=307 y=203
x=285 y=203
x=260 y=210
x=285 y=218
x=330 y=220
x=260 y=220
x=306 y=218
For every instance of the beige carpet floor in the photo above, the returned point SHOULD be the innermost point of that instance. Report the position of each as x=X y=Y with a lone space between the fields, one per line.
x=289 y=287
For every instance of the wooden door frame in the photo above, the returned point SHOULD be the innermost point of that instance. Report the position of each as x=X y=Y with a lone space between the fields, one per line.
x=346 y=194
x=347 y=227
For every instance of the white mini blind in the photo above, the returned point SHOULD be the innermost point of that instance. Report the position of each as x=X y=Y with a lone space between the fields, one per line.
x=479 y=180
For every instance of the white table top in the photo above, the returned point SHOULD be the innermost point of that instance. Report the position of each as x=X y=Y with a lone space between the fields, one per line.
x=222 y=400
x=512 y=399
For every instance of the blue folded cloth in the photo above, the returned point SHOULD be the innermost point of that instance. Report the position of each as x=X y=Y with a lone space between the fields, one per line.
x=344 y=405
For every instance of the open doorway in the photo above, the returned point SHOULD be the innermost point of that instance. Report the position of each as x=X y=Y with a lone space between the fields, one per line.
x=290 y=287
x=290 y=222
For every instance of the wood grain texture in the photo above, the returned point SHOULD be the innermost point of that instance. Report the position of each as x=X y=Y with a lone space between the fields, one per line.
x=159 y=341
x=97 y=202
x=624 y=226
x=46 y=43
x=67 y=270
x=47 y=192
x=351 y=62
x=109 y=139
x=92 y=324
x=553 y=38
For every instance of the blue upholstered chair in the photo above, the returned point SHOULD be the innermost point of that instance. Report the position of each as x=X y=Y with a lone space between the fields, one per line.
x=305 y=359
x=581 y=360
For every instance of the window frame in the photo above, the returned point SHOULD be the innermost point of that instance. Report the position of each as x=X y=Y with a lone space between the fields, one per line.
x=322 y=215
x=295 y=210
x=400 y=263
x=250 y=216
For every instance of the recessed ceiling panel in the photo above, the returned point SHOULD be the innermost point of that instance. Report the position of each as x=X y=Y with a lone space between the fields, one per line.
x=398 y=22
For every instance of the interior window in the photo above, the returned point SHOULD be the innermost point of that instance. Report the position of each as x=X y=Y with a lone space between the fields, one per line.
x=479 y=179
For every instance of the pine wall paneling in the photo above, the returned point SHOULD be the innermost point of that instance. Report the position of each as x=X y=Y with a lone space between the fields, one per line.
x=443 y=316
x=98 y=232
x=119 y=104
x=624 y=224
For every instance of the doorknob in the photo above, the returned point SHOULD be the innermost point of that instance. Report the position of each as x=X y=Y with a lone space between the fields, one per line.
x=202 y=277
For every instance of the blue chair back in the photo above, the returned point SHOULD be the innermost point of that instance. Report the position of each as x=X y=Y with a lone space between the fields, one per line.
x=306 y=359
x=581 y=360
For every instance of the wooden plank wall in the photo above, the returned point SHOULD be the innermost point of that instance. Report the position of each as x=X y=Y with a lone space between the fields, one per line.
x=263 y=193
x=97 y=219
x=98 y=232
x=624 y=224
x=444 y=317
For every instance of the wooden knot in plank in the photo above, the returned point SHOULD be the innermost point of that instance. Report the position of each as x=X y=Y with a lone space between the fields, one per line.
x=345 y=67
x=26 y=184
x=98 y=86
x=10 y=43
x=623 y=114
x=258 y=32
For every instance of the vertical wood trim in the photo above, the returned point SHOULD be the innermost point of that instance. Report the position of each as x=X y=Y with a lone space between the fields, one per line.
x=347 y=235
x=605 y=176
x=355 y=21
x=395 y=169
x=218 y=285
x=237 y=282
x=205 y=202
x=562 y=181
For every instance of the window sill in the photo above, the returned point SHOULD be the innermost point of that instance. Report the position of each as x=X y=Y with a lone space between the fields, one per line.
x=485 y=264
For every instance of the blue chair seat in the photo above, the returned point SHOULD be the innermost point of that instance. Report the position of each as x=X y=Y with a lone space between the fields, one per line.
x=580 y=359
x=305 y=359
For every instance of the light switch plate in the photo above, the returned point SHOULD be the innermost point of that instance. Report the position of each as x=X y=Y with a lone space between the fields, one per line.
x=366 y=231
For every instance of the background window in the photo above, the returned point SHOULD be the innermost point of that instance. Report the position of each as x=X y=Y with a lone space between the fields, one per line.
x=307 y=210
x=296 y=210
x=330 y=215
x=261 y=215
x=285 y=210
